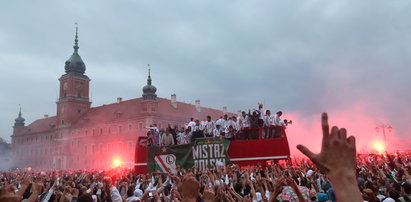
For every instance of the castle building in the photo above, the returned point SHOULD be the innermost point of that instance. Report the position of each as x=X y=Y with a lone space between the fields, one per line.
x=80 y=136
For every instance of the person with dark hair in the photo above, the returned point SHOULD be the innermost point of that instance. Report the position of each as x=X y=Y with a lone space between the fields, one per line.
x=405 y=191
x=167 y=139
x=243 y=120
x=191 y=124
x=85 y=198
x=209 y=127
x=197 y=131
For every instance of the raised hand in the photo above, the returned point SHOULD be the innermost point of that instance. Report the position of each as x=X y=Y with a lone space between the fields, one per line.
x=337 y=151
x=337 y=160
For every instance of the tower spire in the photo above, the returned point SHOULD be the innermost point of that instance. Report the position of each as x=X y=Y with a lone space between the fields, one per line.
x=76 y=39
x=19 y=110
x=19 y=121
x=149 y=91
x=75 y=65
x=149 y=75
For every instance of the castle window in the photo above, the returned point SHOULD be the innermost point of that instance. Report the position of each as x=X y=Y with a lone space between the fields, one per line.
x=129 y=126
x=153 y=109
x=62 y=121
x=109 y=130
x=85 y=149
x=101 y=131
x=145 y=109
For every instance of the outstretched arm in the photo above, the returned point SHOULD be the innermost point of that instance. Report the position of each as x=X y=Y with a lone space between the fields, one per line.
x=337 y=160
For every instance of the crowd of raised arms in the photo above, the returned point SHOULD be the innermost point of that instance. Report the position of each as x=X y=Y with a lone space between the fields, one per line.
x=337 y=173
x=224 y=127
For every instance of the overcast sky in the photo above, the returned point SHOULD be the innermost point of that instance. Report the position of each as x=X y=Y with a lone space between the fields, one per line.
x=302 y=57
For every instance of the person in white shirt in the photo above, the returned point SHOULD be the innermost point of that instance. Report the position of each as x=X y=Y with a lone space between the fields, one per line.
x=268 y=121
x=223 y=122
x=153 y=127
x=234 y=123
x=191 y=124
x=229 y=133
x=277 y=122
x=217 y=131
x=197 y=131
x=243 y=120
x=167 y=139
x=184 y=137
x=260 y=110
x=209 y=127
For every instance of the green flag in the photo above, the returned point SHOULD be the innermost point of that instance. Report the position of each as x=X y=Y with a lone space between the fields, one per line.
x=201 y=153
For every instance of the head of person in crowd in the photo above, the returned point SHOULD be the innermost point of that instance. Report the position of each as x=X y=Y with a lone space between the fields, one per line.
x=225 y=116
x=217 y=126
x=191 y=119
x=243 y=114
x=260 y=106
x=279 y=113
x=187 y=131
x=197 y=122
x=208 y=118
x=167 y=131
x=268 y=112
x=233 y=118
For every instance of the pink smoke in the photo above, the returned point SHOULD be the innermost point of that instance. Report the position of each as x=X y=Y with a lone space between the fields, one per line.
x=360 y=120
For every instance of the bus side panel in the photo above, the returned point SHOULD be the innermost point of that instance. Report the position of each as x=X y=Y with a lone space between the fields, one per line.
x=140 y=160
x=264 y=148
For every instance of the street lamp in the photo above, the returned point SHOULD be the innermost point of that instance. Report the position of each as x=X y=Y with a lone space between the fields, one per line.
x=384 y=127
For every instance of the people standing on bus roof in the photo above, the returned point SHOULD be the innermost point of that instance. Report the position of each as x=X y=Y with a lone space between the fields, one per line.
x=209 y=127
x=191 y=124
x=217 y=131
x=277 y=120
x=153 y=137
x=153 y=127
x=244 y=120
x=229 y=133
x=167 y=138
x=235 y=123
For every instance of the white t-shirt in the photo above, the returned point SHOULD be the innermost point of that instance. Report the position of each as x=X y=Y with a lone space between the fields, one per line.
x=191 y=124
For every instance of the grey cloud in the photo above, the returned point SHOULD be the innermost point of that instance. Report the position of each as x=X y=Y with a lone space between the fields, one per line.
x=290 y=55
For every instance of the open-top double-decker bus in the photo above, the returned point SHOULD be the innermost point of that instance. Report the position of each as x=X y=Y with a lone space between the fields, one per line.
x=250 y=146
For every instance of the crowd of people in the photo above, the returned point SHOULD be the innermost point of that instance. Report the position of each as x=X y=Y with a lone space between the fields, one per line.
x=337 y=173
x=223 y=127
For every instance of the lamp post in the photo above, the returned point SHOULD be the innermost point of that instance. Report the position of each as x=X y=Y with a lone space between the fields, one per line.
x=384 y=127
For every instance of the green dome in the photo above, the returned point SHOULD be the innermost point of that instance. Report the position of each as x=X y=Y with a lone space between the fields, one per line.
x=75 y=65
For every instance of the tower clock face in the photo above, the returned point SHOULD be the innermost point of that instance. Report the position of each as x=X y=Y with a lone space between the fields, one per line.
x=65 y=86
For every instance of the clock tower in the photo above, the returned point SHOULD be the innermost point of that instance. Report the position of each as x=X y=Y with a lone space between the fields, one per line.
x=73 y=99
